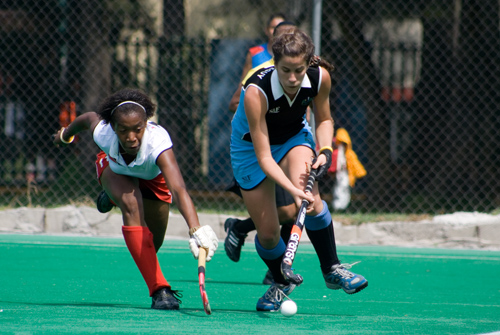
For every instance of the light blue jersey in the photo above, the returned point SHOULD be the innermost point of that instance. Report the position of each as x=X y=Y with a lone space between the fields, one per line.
x=286 y=122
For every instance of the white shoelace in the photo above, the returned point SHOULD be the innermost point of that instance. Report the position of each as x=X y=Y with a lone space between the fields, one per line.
x=275 y=294
x=343 y=270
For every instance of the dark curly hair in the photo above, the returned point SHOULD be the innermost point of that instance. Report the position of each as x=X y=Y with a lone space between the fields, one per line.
x=108 y=106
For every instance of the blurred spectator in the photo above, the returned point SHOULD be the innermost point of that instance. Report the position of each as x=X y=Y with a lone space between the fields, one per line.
x=345 y=170
x=397 y=46
x=12 y=117
x=258 y=55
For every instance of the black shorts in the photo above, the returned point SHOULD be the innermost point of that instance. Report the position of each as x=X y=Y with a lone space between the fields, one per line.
x=283 y=198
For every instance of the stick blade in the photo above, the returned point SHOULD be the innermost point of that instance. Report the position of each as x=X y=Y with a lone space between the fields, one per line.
x=201 y=278
x=206 y=304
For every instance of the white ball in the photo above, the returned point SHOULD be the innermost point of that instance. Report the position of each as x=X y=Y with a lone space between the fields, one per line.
x=288 y=308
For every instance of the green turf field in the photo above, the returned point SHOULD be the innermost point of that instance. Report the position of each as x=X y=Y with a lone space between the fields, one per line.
x=83 y=285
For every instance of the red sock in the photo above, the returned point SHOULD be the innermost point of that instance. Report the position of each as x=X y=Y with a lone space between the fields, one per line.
x=139 y=241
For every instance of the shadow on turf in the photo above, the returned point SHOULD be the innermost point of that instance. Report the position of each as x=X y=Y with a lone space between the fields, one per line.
x=74 y=304
x=197 y=312
x=217 y=282
x=264 y=315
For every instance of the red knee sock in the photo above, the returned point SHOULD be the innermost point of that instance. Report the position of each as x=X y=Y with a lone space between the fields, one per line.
x=139 y=241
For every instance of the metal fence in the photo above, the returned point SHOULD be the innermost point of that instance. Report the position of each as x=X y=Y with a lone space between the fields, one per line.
x=416 y=87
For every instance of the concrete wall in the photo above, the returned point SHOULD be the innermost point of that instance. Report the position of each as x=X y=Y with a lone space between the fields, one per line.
x=458 y=230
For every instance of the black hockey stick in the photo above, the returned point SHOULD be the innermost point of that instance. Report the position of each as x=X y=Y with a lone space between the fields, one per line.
x=296 y=234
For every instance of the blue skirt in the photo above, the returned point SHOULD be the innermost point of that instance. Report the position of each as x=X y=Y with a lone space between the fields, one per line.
x=247 y=170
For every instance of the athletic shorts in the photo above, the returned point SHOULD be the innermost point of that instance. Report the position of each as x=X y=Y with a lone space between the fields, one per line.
x=244 y=162
x=283 y=198
x=154 y=189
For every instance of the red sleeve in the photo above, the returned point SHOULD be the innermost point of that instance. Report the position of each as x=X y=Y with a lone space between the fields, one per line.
x=255 y=50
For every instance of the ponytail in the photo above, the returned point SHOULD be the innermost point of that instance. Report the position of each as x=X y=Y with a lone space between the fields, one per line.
x=317 y=61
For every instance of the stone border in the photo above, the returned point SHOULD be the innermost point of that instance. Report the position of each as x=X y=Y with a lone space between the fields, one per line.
x=458 y=230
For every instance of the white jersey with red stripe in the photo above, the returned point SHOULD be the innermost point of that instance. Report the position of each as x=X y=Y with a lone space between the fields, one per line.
x=155 y=141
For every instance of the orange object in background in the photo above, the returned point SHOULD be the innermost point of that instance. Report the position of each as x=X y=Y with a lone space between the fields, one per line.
x=397 y=94
x=67 y=114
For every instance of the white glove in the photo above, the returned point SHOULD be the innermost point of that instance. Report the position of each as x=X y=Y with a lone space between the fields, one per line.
x=203 y=237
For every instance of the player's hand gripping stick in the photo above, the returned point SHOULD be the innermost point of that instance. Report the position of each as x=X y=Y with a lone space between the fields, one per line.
x=293 y=242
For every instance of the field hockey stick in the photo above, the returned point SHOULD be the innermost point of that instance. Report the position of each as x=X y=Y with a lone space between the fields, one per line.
x=201 y=278
x=295 y=235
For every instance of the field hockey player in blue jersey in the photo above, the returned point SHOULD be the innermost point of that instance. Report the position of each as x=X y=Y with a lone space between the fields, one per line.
x=272 y=143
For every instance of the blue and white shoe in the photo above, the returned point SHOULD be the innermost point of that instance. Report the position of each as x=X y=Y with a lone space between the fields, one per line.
x=272 y=299
x=341 y=278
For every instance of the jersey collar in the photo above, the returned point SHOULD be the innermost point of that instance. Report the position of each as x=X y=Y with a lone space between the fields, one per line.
x=278 y=89
x=114 y=151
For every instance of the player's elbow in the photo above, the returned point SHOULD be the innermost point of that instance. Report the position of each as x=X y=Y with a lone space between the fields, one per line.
x=326 y=121
x=233 y=105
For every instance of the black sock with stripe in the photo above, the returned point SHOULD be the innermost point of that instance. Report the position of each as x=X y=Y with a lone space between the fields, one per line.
x=323 y=241
x=319 y=228
x=272 y=258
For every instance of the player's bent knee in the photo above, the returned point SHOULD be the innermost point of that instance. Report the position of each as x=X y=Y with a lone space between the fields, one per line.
x=269 y=241
x=287 y=213
x=129 y=203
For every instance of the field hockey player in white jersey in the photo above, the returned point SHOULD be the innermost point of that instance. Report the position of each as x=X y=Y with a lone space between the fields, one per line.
x=139 y=173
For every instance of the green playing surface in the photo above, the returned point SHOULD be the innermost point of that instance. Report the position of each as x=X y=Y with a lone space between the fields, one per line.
x=83 y=285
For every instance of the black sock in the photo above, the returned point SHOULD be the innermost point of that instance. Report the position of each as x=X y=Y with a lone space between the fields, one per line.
x=274 y=266
x=323 y=241
x=247 y=225
x=244 y=226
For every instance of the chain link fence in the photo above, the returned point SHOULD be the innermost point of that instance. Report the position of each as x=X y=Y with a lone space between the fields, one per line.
x=416 y=87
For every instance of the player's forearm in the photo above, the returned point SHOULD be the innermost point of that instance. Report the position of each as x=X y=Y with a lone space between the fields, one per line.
x=186 y=208
x=324 y=133
x=81 y=123
x=274 y=171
